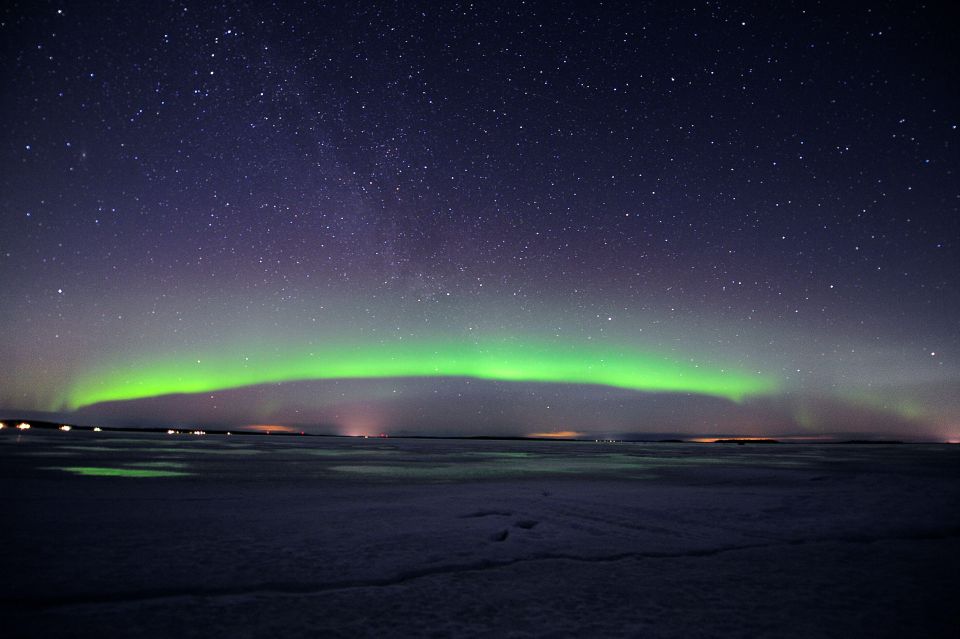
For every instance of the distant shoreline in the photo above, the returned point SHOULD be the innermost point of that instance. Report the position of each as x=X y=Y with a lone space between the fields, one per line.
x=11 y=425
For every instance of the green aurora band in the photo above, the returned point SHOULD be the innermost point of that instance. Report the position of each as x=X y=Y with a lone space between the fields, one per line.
x=505 y=360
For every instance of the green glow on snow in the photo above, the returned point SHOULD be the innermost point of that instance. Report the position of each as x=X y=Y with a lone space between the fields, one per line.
x=105 y=471
x=505 y=360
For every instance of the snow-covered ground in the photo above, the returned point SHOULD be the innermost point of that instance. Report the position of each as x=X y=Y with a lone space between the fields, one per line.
x=288 y=536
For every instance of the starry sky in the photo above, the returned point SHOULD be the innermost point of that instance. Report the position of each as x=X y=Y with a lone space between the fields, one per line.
x=482 y=218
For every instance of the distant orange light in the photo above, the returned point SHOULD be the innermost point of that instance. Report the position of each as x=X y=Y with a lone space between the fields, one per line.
x=559 y=434
x=270 y=428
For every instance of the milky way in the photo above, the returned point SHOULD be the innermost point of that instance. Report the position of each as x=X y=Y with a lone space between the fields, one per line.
x=695 y=218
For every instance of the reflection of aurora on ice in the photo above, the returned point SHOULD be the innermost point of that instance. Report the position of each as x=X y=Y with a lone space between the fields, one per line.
x=493 y=360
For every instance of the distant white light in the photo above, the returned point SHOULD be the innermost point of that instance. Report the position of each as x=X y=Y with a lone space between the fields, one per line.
x=23 y=426
x=171 y=432
x=65 y=428
x=97 y=429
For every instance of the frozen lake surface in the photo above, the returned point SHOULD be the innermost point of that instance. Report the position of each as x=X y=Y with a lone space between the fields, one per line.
x=115 y=534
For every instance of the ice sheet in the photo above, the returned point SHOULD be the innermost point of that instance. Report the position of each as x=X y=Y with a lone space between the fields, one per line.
x=256 y=536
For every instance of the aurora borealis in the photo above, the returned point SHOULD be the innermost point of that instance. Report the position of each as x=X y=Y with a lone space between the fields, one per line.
x=504 y=362
x=472 y=219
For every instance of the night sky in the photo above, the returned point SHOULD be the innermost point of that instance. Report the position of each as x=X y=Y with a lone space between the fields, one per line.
x=482 y=218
